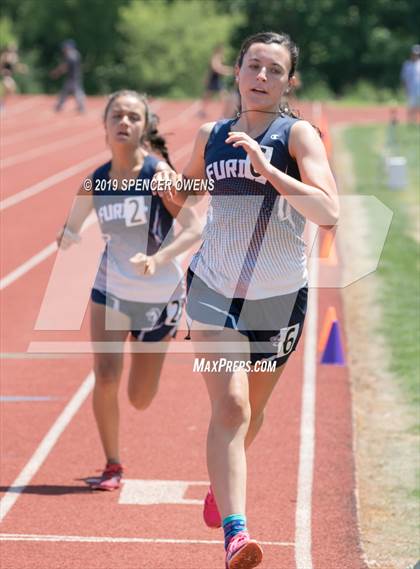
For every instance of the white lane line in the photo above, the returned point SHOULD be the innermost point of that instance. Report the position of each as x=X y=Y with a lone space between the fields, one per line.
x=98 y=539
x=49 y=148
x=28 y=134
x=45 y=447
x=64 y=122
x=22 y=107
x=27 y=265
x=52 y=180
x=22 y=356
x=41 y=453
x=68 y=172
x=38 y=258
x=66 y=348
x=303 y=521
x=19 y=398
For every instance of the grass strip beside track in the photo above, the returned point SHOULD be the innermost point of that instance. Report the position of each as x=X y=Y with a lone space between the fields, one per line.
x=398 y=270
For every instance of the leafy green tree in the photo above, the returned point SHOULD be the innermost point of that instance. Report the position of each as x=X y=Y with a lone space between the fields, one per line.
x=42 y=25
x=168 y=45
x=7 y=34
x=163 y=46
x=341 y=41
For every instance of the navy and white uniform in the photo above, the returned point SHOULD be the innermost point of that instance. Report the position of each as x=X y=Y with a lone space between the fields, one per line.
x=250 y=273
x=135 y=221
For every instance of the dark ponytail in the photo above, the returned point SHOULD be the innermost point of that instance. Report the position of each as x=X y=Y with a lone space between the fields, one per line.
x=155 y=140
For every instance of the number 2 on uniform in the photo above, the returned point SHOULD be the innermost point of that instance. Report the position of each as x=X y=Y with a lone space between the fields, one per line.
x=173 y=311
x=135 y=211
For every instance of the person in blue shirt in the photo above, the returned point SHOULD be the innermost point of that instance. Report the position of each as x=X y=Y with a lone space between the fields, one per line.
x=71 y=68
x=410 y=77
x=214 y=82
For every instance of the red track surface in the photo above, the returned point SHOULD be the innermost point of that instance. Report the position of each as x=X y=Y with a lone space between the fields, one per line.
x=167 y=442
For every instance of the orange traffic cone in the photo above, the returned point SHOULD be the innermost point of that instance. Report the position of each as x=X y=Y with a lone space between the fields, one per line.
x=330 y=317
x=325 y=131
x=328 y=252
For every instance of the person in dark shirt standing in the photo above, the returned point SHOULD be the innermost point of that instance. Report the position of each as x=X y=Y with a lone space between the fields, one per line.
x=72 y=69
x=214 y=79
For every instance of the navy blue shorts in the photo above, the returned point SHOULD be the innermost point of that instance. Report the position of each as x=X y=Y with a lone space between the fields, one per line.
x=148 y=322
x=272 y=325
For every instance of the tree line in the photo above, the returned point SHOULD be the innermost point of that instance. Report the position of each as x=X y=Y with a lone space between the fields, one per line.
x=163 y=47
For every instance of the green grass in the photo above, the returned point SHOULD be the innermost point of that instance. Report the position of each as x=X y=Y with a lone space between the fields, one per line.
x=398 y=271
x=360 y=94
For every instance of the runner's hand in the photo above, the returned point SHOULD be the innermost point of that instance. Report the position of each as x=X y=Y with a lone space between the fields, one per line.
x=145 y=265
x=252 y=148
x=164 y=184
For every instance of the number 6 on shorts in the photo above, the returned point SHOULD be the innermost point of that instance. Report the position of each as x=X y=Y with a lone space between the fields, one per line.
x=285 y=340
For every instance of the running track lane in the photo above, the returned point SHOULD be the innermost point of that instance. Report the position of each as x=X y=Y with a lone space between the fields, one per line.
x=54 y=503
x=20 y=305
x=58 y=196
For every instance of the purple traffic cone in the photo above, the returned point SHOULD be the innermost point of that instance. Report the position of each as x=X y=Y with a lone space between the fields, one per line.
x=333 y=353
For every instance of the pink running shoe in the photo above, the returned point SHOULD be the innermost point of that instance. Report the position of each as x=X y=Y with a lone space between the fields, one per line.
x=243 y=552
x=211 y=512
x=110 y=479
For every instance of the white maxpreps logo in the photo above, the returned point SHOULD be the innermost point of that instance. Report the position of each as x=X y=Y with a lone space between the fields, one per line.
x=66 y=273
x=275 y=137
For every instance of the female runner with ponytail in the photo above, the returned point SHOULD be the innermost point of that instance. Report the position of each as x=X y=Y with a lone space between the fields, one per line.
x=248 y=281
x=139 y=285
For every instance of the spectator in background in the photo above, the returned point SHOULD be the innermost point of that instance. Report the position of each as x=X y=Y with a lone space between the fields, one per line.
x=9 y=65
x=410 y=77
x=71 y=67
x=214 y=79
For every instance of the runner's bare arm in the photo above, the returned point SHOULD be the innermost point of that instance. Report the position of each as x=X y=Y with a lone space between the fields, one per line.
x=195 y=169
x=191 y=230
x=82 y=206
x=317 y=185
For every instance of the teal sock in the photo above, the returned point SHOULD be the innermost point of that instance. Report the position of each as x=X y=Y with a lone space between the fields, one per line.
x=232 y=525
